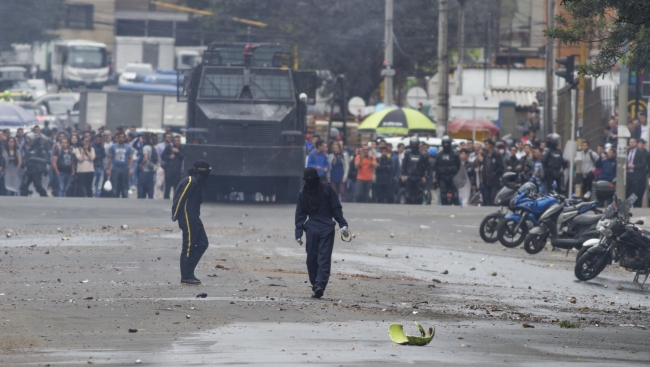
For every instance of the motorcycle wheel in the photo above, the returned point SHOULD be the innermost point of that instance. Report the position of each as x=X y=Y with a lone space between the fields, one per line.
x=589 y=266
x=582 y=251
x=535 y=243
x=488 y=228
x=506 y=233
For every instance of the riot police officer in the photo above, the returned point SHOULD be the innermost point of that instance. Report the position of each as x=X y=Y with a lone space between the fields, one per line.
x=447 y=166
x=414 y=169
x=553 y=162
x=36 y=159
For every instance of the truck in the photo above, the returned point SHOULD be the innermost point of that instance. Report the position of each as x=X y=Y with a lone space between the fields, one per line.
x=72 y=63
x=246 y=116
x=159 y=52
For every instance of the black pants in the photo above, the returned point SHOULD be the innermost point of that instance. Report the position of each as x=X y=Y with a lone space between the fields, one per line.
x=85 y=183
x=363 y=191
x=195 y=240
x=120 y=182
x=446 y=187
x=635 y=185
x=413 y=187
x=320 y=244
x=172 y=179
x=587 y=181
x=35 y=177
x=383 y=193
x=490 y=194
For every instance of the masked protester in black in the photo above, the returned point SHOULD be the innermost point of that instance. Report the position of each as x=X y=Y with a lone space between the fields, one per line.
x=320 y=203
x=414 y=169
x=447 y=166
x=187 y=210
x=553 y=163
x=35 y=161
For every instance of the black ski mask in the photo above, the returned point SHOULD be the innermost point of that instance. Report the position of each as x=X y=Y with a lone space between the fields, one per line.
x=201 y=171
x=312 y=191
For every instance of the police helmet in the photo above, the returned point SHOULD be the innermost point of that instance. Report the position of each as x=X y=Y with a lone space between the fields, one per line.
x=510 y=180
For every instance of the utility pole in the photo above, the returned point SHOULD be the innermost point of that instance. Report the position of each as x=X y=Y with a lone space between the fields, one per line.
x=461 y=47
x=443 y=65
x=548 y=94
x=623 y=133
x=388 y=72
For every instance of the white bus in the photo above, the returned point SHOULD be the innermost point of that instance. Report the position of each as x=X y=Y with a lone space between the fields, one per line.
x=75 y=63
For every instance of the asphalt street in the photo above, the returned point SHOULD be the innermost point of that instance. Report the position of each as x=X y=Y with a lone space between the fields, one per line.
x=74 y=281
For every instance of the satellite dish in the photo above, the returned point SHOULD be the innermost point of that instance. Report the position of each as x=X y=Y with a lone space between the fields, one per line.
x=356 y=106
x=416 y=97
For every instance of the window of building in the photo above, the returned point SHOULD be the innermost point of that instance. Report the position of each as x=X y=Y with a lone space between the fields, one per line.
x=79 y=16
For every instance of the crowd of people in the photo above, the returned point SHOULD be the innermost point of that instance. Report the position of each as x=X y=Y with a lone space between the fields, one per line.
x=465 y=174
x=89 y=163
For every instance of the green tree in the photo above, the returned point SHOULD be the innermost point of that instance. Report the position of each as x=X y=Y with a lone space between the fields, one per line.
x=28 y=21
x=618 y=27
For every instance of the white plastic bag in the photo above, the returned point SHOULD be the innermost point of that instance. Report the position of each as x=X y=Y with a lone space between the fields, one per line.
x=108 y=186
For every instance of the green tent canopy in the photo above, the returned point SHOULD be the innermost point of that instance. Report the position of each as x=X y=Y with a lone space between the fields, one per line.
x=400 y=121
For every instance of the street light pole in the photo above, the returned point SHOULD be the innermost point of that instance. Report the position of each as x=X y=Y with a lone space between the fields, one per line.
x=461 y=47
x=388 y=56
x=623 y=133
x=548 y=94
x=443 y=64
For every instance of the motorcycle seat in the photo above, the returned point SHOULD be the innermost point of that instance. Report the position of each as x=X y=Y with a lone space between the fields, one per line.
x=585 y=203
x=587 y=220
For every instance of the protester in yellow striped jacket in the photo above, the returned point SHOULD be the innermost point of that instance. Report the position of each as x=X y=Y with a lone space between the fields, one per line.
x=187 y=210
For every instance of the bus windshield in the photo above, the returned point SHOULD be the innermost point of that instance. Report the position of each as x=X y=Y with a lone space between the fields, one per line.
x=88 y=57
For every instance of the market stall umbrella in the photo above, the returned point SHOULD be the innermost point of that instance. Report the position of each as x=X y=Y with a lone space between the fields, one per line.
x=458 y=126
x=400 y=121
x=14 y=115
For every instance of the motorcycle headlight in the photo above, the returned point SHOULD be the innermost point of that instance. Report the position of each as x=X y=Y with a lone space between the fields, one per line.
x=497 y=201
x=603 y=227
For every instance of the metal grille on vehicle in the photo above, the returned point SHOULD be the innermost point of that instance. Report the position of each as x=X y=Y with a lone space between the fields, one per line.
x=235 y=134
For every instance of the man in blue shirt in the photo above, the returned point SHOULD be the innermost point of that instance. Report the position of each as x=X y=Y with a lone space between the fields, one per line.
x=318 y=159
x=120 y=166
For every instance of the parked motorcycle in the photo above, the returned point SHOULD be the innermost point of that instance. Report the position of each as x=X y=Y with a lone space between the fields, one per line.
x=565 y=226
x=620 y=241
x=569 y=227
x=488 y=227
x=527 y=206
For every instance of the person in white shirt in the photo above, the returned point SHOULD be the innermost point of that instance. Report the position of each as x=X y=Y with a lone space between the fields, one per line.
x=159 y=188
x=520 y=149
x=587 y=159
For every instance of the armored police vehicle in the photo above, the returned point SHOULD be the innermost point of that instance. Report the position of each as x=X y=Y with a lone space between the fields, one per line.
x=246 y=115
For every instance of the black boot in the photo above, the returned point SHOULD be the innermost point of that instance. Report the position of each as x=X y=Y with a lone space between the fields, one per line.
x=187 y=271
x=318 y=293
x=195 y=257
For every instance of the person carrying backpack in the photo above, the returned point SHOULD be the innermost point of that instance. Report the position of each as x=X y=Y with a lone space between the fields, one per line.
x=147 y=162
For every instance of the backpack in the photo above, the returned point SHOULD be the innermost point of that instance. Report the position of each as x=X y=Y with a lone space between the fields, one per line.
x=154 y=155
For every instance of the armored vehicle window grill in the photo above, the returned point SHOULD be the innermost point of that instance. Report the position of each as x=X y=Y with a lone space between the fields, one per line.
x=235 y=134
x=222 y=83
x=271 y=84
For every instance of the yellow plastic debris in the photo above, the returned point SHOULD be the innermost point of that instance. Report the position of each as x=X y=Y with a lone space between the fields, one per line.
x=397 y=335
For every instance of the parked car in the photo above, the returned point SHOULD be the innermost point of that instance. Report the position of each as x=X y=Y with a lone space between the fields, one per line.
x=19 y=88
x=157 y=83
x=39 y=88
x=57 y=107
x=13 y=72
x=135 y=72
